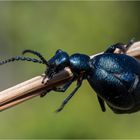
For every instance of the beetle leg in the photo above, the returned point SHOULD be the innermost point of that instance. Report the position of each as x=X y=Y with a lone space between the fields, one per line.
x=130 y=43
x=102 y=104
x=120 y=46
x=45 y=92
x=48 y=73
x=64 y=87
x=79 y=83
x=45 y=76
x=112 y=48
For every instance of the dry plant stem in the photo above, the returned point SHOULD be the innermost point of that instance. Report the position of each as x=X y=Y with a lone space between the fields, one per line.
x=18 y=100
x=31 y=88
x=34 y=86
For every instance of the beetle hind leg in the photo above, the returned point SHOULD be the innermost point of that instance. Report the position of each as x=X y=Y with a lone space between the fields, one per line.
x=120 y=46
x=102 y=104
x=130 y=43
x=112 y=48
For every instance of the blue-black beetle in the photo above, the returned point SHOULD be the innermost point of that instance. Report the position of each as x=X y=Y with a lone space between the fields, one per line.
x=114 y=77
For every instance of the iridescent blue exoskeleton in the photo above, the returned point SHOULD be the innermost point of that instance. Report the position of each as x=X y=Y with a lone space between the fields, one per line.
x=114 y=77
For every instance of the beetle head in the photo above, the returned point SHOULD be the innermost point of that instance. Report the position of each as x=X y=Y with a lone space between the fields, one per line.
x=59 y=61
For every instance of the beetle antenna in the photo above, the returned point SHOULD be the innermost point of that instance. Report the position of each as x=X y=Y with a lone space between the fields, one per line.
x=37 y=54
x=22 y=58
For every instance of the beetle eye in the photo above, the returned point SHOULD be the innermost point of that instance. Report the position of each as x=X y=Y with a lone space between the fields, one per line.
x=58 y=51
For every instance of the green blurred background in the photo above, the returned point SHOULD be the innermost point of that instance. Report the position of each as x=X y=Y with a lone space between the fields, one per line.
x=86 y=27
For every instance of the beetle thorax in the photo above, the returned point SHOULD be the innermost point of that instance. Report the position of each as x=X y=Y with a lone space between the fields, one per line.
x=79 y=63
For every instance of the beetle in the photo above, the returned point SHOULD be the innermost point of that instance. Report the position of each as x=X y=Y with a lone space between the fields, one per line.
x=114 y=77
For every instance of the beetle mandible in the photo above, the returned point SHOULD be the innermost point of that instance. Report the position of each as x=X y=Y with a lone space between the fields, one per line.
x=114 y=77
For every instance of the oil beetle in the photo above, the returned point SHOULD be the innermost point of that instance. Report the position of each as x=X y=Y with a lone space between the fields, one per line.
x=114 y=77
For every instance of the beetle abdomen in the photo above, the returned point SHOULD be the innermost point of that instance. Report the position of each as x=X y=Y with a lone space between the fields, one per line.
x=115 y=77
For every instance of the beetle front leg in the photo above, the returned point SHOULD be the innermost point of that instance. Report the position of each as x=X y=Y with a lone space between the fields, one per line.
x=49 y=72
